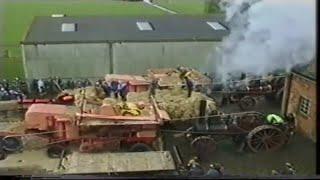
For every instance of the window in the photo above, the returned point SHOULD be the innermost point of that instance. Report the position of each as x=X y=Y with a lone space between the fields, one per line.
x=304 y=106
x=69 y=27
x=216 y=26
x=145 y=26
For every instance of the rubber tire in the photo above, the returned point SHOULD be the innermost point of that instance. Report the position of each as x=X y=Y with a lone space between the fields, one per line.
x=3 y=154
x=17 y=144
x=140 y=147
x=55 y=151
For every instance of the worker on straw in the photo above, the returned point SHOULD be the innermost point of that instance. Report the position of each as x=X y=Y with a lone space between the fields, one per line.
x=114 y=88
x=40 y=84
x=124 y=90
x=190 y=85
x=106 y=88
x=275 y=119
x=153 y=86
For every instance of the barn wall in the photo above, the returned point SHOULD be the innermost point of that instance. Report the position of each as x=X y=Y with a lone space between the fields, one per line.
x=136 y=58
x=93 y=60
x=66 y=60
x=306 y=124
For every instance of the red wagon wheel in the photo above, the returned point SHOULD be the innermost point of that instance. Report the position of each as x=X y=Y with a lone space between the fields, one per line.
x=265 y=138
x=204 y=147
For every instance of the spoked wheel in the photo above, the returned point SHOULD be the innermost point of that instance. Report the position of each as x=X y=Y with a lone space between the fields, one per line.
x=12 y=144
x=247 y=102
x=140 y=147
x=204 y=147
x=265 y=138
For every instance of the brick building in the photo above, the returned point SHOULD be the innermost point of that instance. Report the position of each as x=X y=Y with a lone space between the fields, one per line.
x=300 y=98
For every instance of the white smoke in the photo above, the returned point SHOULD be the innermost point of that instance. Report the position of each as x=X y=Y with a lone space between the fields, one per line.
x=267 y=35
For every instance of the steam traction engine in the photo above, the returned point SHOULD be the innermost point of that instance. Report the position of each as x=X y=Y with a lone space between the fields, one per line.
x=247 y=94
x=249 y=128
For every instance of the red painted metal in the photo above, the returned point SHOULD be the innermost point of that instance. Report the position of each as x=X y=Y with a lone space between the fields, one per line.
x=136 y=83
x=116 y=130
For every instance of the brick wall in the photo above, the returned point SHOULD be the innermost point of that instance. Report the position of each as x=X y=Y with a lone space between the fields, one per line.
x=306 y=124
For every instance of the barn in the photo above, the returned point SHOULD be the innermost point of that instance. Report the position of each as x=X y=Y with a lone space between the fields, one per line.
x=90 y=47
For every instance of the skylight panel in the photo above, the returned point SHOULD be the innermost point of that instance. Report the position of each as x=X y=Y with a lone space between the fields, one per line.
x=216 y=26
x=144 y=26
x=69 y=27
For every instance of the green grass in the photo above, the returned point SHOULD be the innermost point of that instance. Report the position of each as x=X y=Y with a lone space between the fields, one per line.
x=18 y=15
x=11 y=68
x=190 y=7
x=193 y=7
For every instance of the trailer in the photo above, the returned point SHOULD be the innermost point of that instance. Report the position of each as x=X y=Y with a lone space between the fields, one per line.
x=106 y=163
x=119 y=162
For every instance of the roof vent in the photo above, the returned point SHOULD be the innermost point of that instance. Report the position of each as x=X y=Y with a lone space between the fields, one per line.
x=216 y=26
x=58 y=15
x=145 y=26
x=68 y=27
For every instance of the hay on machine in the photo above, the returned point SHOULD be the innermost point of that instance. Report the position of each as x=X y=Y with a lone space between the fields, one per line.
x=176 y=103
x=93 y=95
x=169 y=77
x=173 y=100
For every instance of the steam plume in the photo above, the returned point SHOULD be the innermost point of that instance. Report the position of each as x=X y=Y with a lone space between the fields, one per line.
x=266 y=35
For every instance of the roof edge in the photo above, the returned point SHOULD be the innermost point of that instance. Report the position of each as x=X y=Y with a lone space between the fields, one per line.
x=123 y=41
x=303 y=75
x=29 y=28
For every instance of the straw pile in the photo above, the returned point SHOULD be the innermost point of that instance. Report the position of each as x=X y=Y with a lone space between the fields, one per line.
x=171 y=77
x=176 y=102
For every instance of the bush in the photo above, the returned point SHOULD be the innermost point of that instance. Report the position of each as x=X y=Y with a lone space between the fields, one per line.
x=211 y=6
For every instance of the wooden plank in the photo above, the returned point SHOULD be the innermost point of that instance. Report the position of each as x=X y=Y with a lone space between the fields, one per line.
x=80 y=163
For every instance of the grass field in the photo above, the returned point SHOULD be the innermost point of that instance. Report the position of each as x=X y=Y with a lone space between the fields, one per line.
x=193 y=7
x=17 y=16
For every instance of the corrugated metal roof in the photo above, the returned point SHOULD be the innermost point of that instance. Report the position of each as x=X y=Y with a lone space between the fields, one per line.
x=46 y=30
